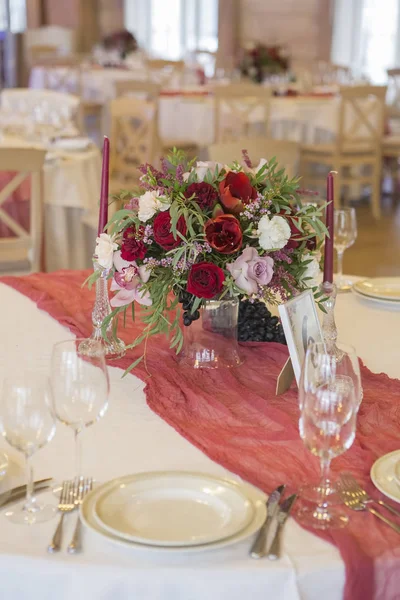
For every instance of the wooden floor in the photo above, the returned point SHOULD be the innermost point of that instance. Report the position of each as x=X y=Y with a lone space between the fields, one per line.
x=376 y=251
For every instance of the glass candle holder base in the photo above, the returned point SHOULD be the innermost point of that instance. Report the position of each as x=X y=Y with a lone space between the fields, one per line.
x=113 y=349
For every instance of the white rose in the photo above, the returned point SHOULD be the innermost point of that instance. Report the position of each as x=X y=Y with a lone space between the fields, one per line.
x=201 y=169
x=105 y=247
x=312 y=270
x=150 y=203
x=273 y=233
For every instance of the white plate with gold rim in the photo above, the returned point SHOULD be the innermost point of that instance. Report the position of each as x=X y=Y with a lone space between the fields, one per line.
x=381 y=288
x=377 y=303
x=383 y=475
x=255 y=497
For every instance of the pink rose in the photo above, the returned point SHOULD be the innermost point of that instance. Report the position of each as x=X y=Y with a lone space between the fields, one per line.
x=250 y=270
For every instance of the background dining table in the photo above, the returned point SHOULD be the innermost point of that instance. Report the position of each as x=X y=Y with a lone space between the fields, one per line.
x=130 y=439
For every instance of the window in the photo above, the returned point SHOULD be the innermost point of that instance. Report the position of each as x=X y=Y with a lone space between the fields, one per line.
x=366 y=37
x=17 y=10
x=174 y=28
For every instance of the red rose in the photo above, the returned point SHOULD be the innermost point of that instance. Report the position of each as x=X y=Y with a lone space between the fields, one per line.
x=133 y=247
x=205 y=280
x=236 y=191
x=162 y=231
x=224 y=234
x=205 y=195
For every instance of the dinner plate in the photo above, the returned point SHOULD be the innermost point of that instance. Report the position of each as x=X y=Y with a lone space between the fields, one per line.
x=384 y=477
x=71 y=144
x=376 y=302
x=382 y=288
x=255 y=496
x=3 y=465
x=173 y=509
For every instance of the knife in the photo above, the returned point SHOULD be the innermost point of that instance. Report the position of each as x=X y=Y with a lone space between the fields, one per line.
x=20 y=490
x=285 y=509
x=258 y=548
x=22 y=495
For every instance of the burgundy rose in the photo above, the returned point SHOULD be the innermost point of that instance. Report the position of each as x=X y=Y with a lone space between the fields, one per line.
x=236 y=191
x=162 y=233
x=204 y=194
x=296 y=235
x=205 y=280
x=224 y=234
x=133 y=247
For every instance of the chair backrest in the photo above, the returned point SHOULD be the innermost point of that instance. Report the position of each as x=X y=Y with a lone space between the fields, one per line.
x=25 y=100
x=286 y=152
x=241 y=110
x=62 y=38
x=331 y=73
x=393 y=94
x=132 y=87
x=165 y=72
x=25 y=245
x=361 y=118
x=133 y=136
x=43 y=52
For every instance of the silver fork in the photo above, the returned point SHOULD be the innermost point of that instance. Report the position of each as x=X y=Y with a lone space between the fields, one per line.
x=352 y=486
x=81 y=488
x=66 y=504
x=354 y=503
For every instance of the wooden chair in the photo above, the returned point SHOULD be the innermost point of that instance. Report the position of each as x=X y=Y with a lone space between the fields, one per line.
x=22 y=253
x=26 y=100
x=165 y=72
x=39 y=52
x=133 y=139
x=143 y=89
x=287 y=153
x=63 y=39
x=239 y=110
x=358 y=143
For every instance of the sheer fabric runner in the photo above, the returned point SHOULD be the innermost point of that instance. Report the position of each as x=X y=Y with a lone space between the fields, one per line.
x=235 y=418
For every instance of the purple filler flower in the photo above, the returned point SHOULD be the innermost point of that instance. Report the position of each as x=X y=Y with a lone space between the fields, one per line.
x=250 y=270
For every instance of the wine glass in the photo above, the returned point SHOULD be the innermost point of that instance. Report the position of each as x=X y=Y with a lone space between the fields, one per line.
x=345 y=234
x=80 y=387
x=327 y=427
x=27 y=423
x=323 y=366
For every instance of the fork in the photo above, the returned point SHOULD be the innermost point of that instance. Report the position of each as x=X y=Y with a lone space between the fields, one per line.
x=353 y=487
x=354 y=503
x=81 y=488
x=66 y=504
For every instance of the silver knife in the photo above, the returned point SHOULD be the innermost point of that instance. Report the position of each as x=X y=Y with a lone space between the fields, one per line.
x=21 y=495
x=285 y=509
x=258 y=548
x=5 y=497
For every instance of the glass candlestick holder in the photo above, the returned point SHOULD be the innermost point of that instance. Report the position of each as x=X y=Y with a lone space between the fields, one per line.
x=114 y=347
x=329 y=329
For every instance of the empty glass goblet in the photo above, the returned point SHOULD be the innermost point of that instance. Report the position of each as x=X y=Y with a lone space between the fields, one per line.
x=80 y=387
x=345 y=234
x=323 y=367
x=327 y=427
x=27 y=423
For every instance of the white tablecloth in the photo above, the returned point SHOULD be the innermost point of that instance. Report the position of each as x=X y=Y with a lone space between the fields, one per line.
x=71 y=186
x=190 y=119
x=130 y=439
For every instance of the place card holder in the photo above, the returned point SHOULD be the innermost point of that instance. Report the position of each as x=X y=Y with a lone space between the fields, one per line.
x=285 y=378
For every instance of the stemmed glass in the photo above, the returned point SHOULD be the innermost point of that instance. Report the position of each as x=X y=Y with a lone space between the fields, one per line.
x=325 y=367
x=327 y=427
x=80 y=387
x=345 y=234
x=27 y=423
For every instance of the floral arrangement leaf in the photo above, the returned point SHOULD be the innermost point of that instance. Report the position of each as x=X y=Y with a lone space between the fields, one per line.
x=201 y=230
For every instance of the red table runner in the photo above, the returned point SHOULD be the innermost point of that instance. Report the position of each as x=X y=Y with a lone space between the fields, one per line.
x=234 y=417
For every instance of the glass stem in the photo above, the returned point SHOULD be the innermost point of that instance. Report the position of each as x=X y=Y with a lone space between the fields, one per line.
x=325 y=471
x=78 y=453
x=30 y=501
x=340 y=267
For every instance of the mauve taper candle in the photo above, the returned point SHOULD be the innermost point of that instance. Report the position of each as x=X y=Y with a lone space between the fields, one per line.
x=328 y=258
x=105 y=175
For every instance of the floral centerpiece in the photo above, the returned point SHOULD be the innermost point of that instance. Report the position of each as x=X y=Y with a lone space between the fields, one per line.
x=204 y=231
x=122 y=41
x=259 y=61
